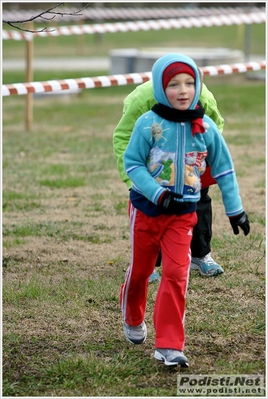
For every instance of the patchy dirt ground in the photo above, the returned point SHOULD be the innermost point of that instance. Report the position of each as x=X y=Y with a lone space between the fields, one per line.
x=65 y=253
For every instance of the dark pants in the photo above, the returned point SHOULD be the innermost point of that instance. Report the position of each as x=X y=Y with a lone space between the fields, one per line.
x=202 y=232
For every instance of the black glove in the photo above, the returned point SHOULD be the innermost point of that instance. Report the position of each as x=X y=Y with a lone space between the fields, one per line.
x=171 y=205
x=241 y=221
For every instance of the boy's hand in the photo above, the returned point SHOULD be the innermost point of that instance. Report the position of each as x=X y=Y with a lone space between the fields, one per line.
x=241 y=221
x=171 y=205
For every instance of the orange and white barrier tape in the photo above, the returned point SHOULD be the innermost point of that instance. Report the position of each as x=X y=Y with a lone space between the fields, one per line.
x=122 y=13
x=233 y=68
x=134 y=26
x=116 y=80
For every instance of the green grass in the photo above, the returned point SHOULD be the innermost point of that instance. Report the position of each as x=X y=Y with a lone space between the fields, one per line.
x=66 y=248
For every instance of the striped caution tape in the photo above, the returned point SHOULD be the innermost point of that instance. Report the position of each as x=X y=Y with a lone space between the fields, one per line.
x=74 y=84
x=234 y=68
x=134 y=26
x=116 y=80
x=122 y=13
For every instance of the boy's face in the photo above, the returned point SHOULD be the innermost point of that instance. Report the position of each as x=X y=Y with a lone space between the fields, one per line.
x=180 y=91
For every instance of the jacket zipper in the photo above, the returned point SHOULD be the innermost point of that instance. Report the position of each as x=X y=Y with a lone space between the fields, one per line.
x=180 y=156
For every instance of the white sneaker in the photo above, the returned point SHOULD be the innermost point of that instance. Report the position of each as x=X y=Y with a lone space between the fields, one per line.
x=171 y=357
x=136 y=335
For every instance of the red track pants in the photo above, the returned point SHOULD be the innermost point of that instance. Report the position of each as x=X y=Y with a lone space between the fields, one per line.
x=173 y=235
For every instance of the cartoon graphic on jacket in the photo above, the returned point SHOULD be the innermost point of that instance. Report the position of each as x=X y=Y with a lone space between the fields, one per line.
x=168 y=153
x=161 y=165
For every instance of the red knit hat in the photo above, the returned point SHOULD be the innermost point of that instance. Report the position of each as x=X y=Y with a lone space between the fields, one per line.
x=175 y=69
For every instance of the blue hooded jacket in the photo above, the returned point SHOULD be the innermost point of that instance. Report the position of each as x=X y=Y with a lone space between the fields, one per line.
x=165 y=155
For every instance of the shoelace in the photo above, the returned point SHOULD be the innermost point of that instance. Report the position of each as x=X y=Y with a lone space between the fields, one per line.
x=208 y=259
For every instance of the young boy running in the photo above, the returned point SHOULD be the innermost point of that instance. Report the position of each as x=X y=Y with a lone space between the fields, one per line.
x=137 y=103
x=166 y=156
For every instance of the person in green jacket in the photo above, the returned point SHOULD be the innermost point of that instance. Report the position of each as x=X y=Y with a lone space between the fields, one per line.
x=139 y=101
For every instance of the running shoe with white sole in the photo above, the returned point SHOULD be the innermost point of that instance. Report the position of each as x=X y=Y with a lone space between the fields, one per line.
x=206 y=266
x=136 y=335
x=171 y=357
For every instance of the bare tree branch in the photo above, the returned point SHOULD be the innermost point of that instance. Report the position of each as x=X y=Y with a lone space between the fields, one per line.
x=42 y=16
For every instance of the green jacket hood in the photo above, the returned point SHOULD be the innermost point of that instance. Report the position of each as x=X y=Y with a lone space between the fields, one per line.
x=157 y=72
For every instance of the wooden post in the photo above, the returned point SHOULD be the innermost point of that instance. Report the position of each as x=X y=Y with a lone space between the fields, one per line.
x=247 y=42
x=80 y=49
x=29 y=78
